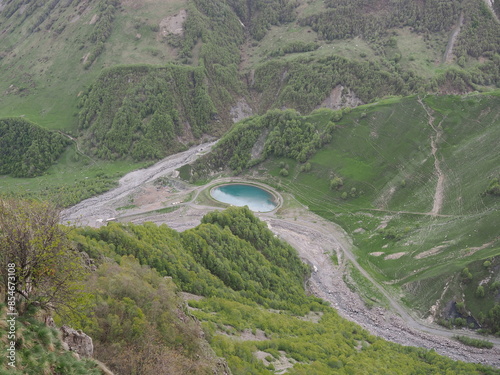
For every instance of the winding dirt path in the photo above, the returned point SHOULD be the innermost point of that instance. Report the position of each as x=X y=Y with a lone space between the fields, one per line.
x=435 y=140
x=75 y=141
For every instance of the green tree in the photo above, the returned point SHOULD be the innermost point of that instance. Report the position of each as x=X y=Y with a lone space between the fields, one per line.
x=480 y=291
x=336 y=183
x=47 y=269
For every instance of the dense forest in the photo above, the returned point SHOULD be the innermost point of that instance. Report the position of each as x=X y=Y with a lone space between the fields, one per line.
x=139 y=111
x=26 y=149
x=286 y=134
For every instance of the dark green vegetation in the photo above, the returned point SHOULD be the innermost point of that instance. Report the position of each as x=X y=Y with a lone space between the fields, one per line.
x=251 y=282
x=309 y=80
x=140 y=111
x=286 y=134
x=479 y=34
x=27 y=150
x=363 y=178
x=474 y=342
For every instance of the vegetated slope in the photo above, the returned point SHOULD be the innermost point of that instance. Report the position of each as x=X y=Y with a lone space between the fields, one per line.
x=27 y=150
x=40 y=350
x=140 y=111
x=254 y=310
x=51 y=51
x=401 y=41
x=140 y=324
x=236 y=53
x=410 y=179
x=376 y=21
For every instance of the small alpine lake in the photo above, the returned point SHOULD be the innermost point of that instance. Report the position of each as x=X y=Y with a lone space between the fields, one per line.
x=256 y=198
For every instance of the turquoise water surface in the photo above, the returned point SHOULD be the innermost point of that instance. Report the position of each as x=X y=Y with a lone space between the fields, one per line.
x=258 y=200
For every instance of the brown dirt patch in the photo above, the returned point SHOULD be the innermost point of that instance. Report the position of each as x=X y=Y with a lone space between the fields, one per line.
x=173 y=24
x=431 y=252
x=94 y=19
x=395 y=256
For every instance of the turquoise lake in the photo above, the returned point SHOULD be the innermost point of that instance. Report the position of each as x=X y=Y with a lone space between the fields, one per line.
x=257 y=199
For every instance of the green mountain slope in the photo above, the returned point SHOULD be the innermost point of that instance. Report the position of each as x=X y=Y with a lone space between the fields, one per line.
x=248 y=284
x=409 y=179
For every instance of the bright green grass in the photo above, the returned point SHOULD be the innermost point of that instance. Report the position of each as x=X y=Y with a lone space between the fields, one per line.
x=43 y=74
x=419 y=56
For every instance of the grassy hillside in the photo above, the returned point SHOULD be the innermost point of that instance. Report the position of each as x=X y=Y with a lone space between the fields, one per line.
x=407 y=178
x=45 y=48
x=39 y=349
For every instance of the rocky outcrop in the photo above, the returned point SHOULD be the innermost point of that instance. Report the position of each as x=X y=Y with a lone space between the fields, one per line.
x=77 y=341
x=221 y=367
x=341 y=97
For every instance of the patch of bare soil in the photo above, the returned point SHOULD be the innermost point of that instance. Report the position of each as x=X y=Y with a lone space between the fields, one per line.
x=94 y=19
x=471 y=250
x=448 y=54
x=435 y=140
x=395 y=256
x=190 y=296
x=258 y=147
x=241 y=110
x=173 y=24
x=248 y=335
x=431 y=252
x=281 y=365
x=377 y=253
x=85 y=58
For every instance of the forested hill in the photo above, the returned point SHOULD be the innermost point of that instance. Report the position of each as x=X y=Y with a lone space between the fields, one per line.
x=26 y=149
x=140 y=111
